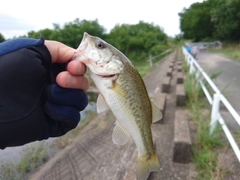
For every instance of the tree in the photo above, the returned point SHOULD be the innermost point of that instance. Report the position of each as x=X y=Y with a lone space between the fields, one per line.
x=136 y=41
x=226 y=19
x=195 y=22
x=139 y=40
x=211 y=19
x=72 y=32
x=46 y=33
x=2 y=38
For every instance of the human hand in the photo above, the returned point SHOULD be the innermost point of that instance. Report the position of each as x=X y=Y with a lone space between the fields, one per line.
x=65 y=102
x=33 y=107
x=73 y=77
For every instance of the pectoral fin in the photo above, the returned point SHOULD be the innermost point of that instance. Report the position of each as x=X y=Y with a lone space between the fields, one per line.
x=101 y=104
x=119 y=136
x=156 y=113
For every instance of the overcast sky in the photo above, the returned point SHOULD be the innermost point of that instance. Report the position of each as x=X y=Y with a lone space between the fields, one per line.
x=17 y=17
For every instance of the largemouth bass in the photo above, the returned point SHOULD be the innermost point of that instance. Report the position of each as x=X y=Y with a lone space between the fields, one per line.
x=123 y=91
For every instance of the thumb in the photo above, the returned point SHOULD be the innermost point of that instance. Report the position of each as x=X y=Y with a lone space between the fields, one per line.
x=60 y=52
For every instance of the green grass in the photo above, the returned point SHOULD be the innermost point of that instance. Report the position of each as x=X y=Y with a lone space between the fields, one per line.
x=32 y=158
x=143 y=68
x=204 y=152
x=231 y=51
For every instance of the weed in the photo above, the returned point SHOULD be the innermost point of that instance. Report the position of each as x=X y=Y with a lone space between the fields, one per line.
x=32 y=157
x=9 y=171
x=185 y=67
x=204 y=156
x=193 y=90
x=230 y=51
x=143 y=69
x=216 y=74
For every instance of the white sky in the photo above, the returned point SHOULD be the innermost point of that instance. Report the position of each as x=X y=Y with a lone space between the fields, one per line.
x=17 y=17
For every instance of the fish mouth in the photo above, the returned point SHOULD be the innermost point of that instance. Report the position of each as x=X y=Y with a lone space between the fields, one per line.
x=107 y=76
x=104 y=75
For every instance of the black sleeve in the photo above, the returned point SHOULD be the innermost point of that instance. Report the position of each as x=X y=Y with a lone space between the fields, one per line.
x=23 y=79
x=32 y=106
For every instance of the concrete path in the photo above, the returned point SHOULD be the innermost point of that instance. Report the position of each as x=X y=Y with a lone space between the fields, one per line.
x=93 y=156
x=228 y=82
x=230 y=76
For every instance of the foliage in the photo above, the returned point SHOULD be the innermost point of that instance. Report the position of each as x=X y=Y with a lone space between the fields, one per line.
x=32 y=158
x=178 y=39
x=231 y=52
x=195 y=22
x=226 y=19
x=205 y=147
x=2 y=38
x=139 y=40
x=135 y=41
x=71 y=33
x=219 y=19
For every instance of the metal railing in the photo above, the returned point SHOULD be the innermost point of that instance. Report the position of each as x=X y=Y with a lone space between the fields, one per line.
x=214 y=101
x=153 y=57
x=205 y=45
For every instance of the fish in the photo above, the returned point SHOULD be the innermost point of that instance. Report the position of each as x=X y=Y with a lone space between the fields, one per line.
x=122 y=89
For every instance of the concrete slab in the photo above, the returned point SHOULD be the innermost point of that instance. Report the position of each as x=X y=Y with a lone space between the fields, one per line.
x=180 y=95
x=179 y=68
x=182 y=141
x=171 y=65
x=179 y=62
x=166 y=84
x=169 y=72
x=160 y=101
x=179 y=78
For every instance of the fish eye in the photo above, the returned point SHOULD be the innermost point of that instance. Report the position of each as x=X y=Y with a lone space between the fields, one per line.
x=100 y=45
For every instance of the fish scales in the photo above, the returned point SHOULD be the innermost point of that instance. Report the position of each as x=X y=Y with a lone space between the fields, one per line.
x=123 y=91
x=141 y=111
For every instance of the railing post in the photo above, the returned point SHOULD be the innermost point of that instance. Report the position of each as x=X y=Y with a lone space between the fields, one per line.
x=150 y=60
x=215 y=112
x=191 y=65
x=198 y=74
x=188 y=60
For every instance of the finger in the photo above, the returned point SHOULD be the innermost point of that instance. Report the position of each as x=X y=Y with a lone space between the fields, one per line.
x=67 y=80
x=76 y=67
x=60 y=52
x=67 y=97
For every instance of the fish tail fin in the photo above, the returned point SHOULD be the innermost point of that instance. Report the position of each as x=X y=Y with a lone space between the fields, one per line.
x=147 y=165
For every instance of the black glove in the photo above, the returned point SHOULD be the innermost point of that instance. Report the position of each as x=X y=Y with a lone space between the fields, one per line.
x=32 y=106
